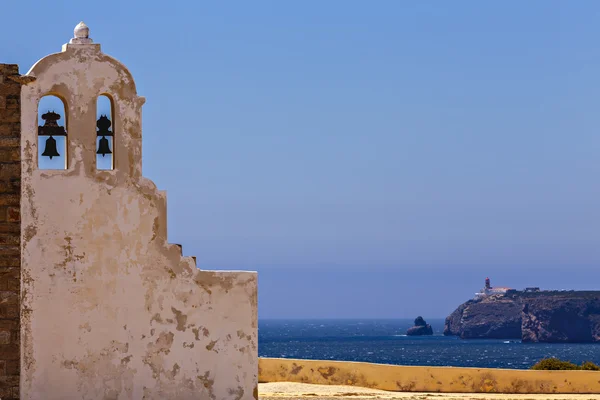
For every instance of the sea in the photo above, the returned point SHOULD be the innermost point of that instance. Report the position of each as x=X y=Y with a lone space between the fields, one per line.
x=385 y=342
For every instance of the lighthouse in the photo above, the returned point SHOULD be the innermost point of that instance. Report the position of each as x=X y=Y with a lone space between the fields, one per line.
x=488 y=290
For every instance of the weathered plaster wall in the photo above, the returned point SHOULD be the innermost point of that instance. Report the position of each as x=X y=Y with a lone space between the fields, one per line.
x=427 y=379
x=110 y=309
x=10 y=228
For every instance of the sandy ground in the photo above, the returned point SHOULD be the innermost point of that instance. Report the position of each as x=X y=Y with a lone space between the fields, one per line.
x=292 y=391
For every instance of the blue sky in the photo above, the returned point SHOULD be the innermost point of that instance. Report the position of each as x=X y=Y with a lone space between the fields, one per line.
x=369 y=159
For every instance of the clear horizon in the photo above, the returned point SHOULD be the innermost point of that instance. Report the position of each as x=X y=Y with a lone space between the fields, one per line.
x=375 y=159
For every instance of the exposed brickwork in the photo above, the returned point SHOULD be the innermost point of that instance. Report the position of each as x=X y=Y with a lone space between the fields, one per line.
x=10 y=230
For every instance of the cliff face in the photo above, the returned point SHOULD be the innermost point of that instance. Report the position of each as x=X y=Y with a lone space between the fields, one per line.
x=453 y=324
x=495 y=317
x=564 y=318
x=531 y=317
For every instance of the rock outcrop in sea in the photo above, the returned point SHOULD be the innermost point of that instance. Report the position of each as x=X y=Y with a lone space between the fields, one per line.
x=543 y=316
x=421 y=328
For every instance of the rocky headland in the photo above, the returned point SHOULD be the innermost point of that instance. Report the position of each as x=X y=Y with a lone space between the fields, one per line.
x=542 y=316
x=420 y=328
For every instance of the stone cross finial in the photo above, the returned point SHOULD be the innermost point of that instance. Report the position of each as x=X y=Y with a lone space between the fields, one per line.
x=81 y=34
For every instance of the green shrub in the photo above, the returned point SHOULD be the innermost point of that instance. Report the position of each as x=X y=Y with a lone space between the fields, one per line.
x=554 y=364
x=590 y=366
x=548 y=364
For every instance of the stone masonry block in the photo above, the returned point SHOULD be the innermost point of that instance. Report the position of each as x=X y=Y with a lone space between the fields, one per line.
x=13 y=117
x=4 y=337
x=5 y=129
x=10 y=142
x=8 y=250
x=6 y=187
x=9 y=170
x=10 y=199
x=9 y=351
x=5 y=392
x=13 y=214
x=7 y=324
x=9 y=298
x=10 y=154
x=9 y=262
x=10 y=272
x=12 y=311
x=12 y=102
x=9 y=69
x=9 y=381
x=13 y=285
x=15 y=183
x=15 y=336
x=8 y=240
x=8 y=312
x=9 y=228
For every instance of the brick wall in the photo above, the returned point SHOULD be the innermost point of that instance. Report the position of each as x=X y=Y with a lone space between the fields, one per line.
x=10 y=229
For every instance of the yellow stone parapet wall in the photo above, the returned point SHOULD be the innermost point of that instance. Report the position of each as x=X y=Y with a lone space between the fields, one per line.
x=427 y=379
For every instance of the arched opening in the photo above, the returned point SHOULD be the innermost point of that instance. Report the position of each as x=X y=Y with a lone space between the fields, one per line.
x=52 y=133
x=105 y=133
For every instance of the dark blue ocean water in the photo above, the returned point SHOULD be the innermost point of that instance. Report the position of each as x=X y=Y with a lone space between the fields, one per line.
x=383 y=341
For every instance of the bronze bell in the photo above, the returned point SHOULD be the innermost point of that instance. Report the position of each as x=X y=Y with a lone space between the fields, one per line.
x=103 y=147
x=50 y=149
x=103 y=125
x=50 y=129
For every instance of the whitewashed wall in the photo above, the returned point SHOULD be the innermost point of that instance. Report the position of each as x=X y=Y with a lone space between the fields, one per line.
x=110 y=310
